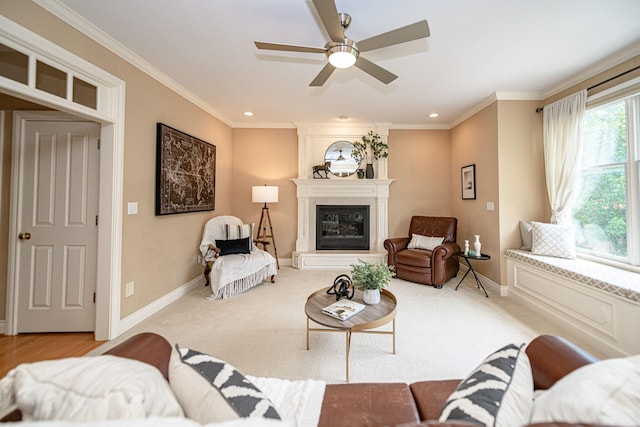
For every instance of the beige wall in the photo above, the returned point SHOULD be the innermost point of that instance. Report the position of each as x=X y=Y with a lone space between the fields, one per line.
x=267 y=156
x=419 y=164
x=475 y=141
x=158 y=253
x=523 y=193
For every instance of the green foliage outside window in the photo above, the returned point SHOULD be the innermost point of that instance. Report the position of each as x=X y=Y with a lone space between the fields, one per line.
x=600 y=210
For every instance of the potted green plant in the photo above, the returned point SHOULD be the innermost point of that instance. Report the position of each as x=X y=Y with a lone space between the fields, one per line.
x=370 y=278
x=371 y=148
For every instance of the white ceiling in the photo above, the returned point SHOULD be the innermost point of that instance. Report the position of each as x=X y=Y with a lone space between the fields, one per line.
x=525 y=48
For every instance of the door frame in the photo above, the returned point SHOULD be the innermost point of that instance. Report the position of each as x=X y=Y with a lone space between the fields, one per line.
x=109 y=113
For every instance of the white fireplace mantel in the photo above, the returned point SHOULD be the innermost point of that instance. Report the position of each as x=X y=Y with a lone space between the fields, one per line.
x=312 y=192
x=313 y=141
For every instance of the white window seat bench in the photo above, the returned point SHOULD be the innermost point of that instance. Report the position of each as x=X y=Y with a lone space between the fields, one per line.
x=600 y=303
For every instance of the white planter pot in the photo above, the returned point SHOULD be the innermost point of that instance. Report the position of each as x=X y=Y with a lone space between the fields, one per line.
x=371 y=296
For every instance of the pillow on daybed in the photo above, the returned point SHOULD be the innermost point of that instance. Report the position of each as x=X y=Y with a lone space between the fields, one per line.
x=525 y=235
x=211 y=390
x=605 y=392
x=87 y=389
x=553 y=240
x=424 y=242
x=499 y=392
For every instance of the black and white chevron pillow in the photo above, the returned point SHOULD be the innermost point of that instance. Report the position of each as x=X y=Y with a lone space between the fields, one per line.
x=499 y=392
x=211 y=390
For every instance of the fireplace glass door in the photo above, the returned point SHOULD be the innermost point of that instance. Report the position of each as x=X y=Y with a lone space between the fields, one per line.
x=342 y=227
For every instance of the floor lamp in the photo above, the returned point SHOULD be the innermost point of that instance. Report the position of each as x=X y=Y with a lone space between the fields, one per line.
x=265 y=194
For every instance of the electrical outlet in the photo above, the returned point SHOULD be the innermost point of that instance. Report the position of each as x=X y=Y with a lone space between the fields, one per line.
x=490 y=206
x=129 y=289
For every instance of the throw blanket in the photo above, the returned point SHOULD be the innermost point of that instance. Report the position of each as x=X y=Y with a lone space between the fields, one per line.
x=232 y=274
x=299 y=400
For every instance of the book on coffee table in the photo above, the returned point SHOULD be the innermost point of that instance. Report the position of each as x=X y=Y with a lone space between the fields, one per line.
x=343 y=309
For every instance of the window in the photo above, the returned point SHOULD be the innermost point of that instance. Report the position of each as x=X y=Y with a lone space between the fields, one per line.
x=607 y=208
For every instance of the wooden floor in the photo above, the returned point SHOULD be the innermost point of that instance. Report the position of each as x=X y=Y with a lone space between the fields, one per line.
x=23 y=348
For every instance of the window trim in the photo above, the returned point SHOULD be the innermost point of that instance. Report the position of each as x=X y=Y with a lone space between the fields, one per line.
x=629 y=91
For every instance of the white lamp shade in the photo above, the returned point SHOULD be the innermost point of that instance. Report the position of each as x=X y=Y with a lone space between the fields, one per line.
x=264 y=194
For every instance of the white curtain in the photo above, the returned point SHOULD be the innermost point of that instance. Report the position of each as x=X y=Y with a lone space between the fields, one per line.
x=562 y=153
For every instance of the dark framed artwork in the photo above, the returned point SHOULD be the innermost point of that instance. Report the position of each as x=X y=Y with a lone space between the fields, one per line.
x=185 y=172
x=468 y=179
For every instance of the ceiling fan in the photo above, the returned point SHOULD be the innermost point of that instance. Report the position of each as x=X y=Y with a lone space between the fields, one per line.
x=343 y=52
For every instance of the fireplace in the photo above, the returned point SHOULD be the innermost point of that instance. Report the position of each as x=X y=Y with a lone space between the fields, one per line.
x=339 y=252
x=342 y=227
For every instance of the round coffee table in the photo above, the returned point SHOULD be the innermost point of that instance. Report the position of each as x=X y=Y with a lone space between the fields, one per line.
x=373 y=316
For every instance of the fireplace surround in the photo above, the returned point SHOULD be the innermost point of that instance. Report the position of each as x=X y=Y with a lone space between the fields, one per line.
x=313 y=141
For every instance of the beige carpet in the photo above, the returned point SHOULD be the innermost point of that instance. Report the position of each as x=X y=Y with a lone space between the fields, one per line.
x=440 y=333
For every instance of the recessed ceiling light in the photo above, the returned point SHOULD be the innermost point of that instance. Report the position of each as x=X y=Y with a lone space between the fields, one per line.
x=343 y=118
x=248 y=113
x=434 y=115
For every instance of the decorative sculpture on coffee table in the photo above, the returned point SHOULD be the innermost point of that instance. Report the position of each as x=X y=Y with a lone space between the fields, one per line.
x=342 y=287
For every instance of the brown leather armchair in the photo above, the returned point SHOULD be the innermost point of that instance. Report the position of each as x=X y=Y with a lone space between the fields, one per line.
x=423 y=266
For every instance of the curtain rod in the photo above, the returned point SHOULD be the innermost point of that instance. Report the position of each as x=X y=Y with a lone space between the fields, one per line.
x=539 y=109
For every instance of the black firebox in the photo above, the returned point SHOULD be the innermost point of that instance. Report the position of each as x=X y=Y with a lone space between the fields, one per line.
x=342 y=227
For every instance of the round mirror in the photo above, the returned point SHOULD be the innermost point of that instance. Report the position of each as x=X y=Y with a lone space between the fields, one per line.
x=340 y=159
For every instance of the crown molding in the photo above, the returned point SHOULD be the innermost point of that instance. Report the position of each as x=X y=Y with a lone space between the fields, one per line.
x=285 y=125
x=496 y=96
x=420 y=126
x=64 y=13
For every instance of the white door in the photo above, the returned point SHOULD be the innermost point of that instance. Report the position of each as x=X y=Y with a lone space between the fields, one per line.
x=57 y=250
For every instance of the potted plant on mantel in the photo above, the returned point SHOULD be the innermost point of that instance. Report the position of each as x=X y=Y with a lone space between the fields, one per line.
x=370 y=278
x=372 y=147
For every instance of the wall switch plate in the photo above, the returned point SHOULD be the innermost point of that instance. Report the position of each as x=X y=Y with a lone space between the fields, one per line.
x=129 y=289
x=132 y=208
x=489 y=206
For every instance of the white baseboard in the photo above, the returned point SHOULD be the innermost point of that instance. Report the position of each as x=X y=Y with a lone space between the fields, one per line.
x=151 y=309
x=492 y=287
x=3 y=327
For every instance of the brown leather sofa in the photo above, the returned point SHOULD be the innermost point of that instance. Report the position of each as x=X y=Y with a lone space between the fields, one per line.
x=423 y=266
x=387 y=404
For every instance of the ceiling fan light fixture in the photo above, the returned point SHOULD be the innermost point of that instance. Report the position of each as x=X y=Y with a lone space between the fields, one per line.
x=343 y=54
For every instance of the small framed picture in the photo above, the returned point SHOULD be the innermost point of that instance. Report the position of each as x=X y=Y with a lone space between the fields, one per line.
x=468 y=178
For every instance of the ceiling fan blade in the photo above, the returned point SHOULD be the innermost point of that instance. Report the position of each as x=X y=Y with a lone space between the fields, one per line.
x=323 y=75
x=376 y=71
x=289 y=47
x=419 y=30
x=329 y=16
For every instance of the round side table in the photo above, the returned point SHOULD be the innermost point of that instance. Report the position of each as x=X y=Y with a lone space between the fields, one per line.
x=482 y=257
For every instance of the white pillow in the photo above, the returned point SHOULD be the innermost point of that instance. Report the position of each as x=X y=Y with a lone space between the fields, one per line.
x=525 y=235
x=424 y=242
x=211 y=390
x=497 y=393
x=604 y=392
x=553 y=240
x=89 y=389
x=238 y=231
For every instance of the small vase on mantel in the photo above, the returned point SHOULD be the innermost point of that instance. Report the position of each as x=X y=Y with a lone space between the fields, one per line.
x=371 y=296
x=369 y=172
x=477 y=245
